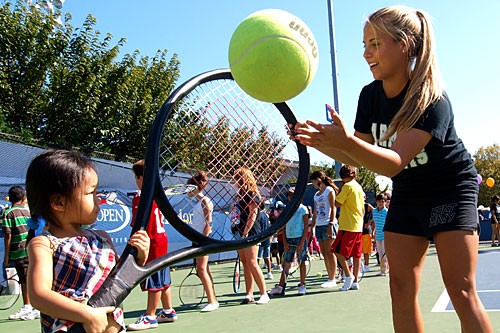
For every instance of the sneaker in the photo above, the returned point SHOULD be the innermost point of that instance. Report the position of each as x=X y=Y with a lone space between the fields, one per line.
x=210 y=307
x=355 y=286
x=23 y=311
x=167 y=316
x=366 y=269
x=264 y=299
x=381 y=274
x=264 y=267
x=32 y=315
x=302 y=289
x=348 y=281
x=269 y=276
x=143 y=323
x=247 y=300
x=329 y=284
x=277 y=291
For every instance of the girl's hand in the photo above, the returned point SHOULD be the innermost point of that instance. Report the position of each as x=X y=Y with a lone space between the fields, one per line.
x=140 y=240
x=98 y=319
x=323 y=136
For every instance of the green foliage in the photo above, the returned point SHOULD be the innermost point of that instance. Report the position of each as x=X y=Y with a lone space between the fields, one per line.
x=487 y=162
x=66 y=87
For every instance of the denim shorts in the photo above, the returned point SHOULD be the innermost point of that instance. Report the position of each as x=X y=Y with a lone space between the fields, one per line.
x=292 y=248
x=264 y=249
x=321 y=233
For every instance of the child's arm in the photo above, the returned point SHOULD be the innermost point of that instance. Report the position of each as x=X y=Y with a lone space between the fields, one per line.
x=333 y=212
x=52 y=303
x=140 y=240
x=207 y=212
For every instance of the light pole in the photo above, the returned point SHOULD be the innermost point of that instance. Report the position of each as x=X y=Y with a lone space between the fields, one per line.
x=336 y=105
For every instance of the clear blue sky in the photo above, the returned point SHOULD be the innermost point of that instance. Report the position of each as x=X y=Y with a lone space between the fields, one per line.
x=199 y=32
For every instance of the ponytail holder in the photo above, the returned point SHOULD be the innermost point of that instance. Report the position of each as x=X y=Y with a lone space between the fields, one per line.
x=37 y=224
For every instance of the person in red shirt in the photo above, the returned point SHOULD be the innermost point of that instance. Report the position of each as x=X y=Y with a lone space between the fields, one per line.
x=158 y=284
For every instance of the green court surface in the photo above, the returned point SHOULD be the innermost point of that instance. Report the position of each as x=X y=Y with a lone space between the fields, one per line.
x=365 y=310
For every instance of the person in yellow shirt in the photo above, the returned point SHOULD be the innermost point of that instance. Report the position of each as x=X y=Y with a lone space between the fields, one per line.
x=348 y=242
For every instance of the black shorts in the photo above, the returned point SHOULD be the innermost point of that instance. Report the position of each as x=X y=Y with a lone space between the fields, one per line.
x=21 y=266
x=426 y=220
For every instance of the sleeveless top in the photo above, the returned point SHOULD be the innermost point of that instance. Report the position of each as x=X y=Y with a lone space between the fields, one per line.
x=198 y=221
x=81 y=264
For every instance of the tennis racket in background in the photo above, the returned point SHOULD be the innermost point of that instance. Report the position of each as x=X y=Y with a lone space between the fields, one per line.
x=208 y=123
x=10 y=290
x=237 y=275
x=191 y=292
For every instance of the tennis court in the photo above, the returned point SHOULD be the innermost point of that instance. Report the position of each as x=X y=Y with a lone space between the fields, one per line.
x=366 y=310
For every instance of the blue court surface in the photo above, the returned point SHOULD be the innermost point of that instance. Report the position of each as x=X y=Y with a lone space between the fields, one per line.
x=488 y=284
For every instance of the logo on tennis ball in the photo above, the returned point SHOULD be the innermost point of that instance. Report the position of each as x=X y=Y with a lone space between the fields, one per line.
x=307 y=36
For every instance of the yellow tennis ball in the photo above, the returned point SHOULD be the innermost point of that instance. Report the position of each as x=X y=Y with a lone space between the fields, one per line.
x=273 y=55
x=319 y=274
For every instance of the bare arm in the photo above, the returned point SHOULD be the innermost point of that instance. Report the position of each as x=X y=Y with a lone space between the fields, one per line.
x=388 y=162
x=207 y=212
x=52 y=303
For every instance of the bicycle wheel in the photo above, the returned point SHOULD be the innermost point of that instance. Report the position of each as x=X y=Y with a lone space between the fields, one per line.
x=237 y=275
x=10 y=290
x=191 y=292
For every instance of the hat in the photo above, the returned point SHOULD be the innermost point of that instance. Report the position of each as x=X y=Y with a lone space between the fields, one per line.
x=291 y=191
x=280 y=205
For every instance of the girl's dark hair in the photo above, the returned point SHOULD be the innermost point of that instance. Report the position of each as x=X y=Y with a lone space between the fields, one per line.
x=200 y=179
x=53 y=172
x=324 y=179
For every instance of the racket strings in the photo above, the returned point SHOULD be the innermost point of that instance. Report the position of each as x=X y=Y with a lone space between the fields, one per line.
x=217 y=128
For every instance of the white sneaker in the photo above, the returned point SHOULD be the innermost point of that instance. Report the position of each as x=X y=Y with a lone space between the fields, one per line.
x=269 y=276
x=348 y=281
x=143 y=323
x=355 y=286
x=302 y=289
x=329 y=284
x=277 y=290
x=32 y=315
x=23 y=311
x=210 y=307
x=264 y=299
x=366 y=269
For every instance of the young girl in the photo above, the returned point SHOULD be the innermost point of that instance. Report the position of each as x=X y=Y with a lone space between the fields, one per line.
x=248 y=206
x=323 y=221
x=68 y=263
x=404 y=129
x=202 y=222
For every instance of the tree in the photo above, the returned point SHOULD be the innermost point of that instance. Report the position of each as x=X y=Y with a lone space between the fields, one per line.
x=66 y=87
x=487 y=162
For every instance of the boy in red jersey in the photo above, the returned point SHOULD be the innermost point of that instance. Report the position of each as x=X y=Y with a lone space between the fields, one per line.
x=158 y=284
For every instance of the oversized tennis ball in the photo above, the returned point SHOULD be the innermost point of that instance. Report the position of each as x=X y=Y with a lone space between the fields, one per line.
x=273 y=55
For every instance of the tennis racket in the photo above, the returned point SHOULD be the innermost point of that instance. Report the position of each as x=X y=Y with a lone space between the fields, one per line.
x=237 y=275
x=10 y=289
x=208 y=123
x=191 y=292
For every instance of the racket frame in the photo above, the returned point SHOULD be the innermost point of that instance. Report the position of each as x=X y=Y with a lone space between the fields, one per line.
x=126 y=275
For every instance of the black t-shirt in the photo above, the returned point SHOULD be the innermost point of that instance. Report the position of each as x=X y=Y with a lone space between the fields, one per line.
x=495 y=210
x=442 y=171
x=244 y=209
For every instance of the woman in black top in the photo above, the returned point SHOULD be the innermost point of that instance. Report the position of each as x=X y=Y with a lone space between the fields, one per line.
x=404 y=129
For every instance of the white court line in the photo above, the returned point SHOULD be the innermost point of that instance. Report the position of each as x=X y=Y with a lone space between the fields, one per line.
x=443 y=301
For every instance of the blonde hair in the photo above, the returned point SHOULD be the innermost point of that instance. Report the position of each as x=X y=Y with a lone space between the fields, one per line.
x=413 y=28
x=246 y=181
